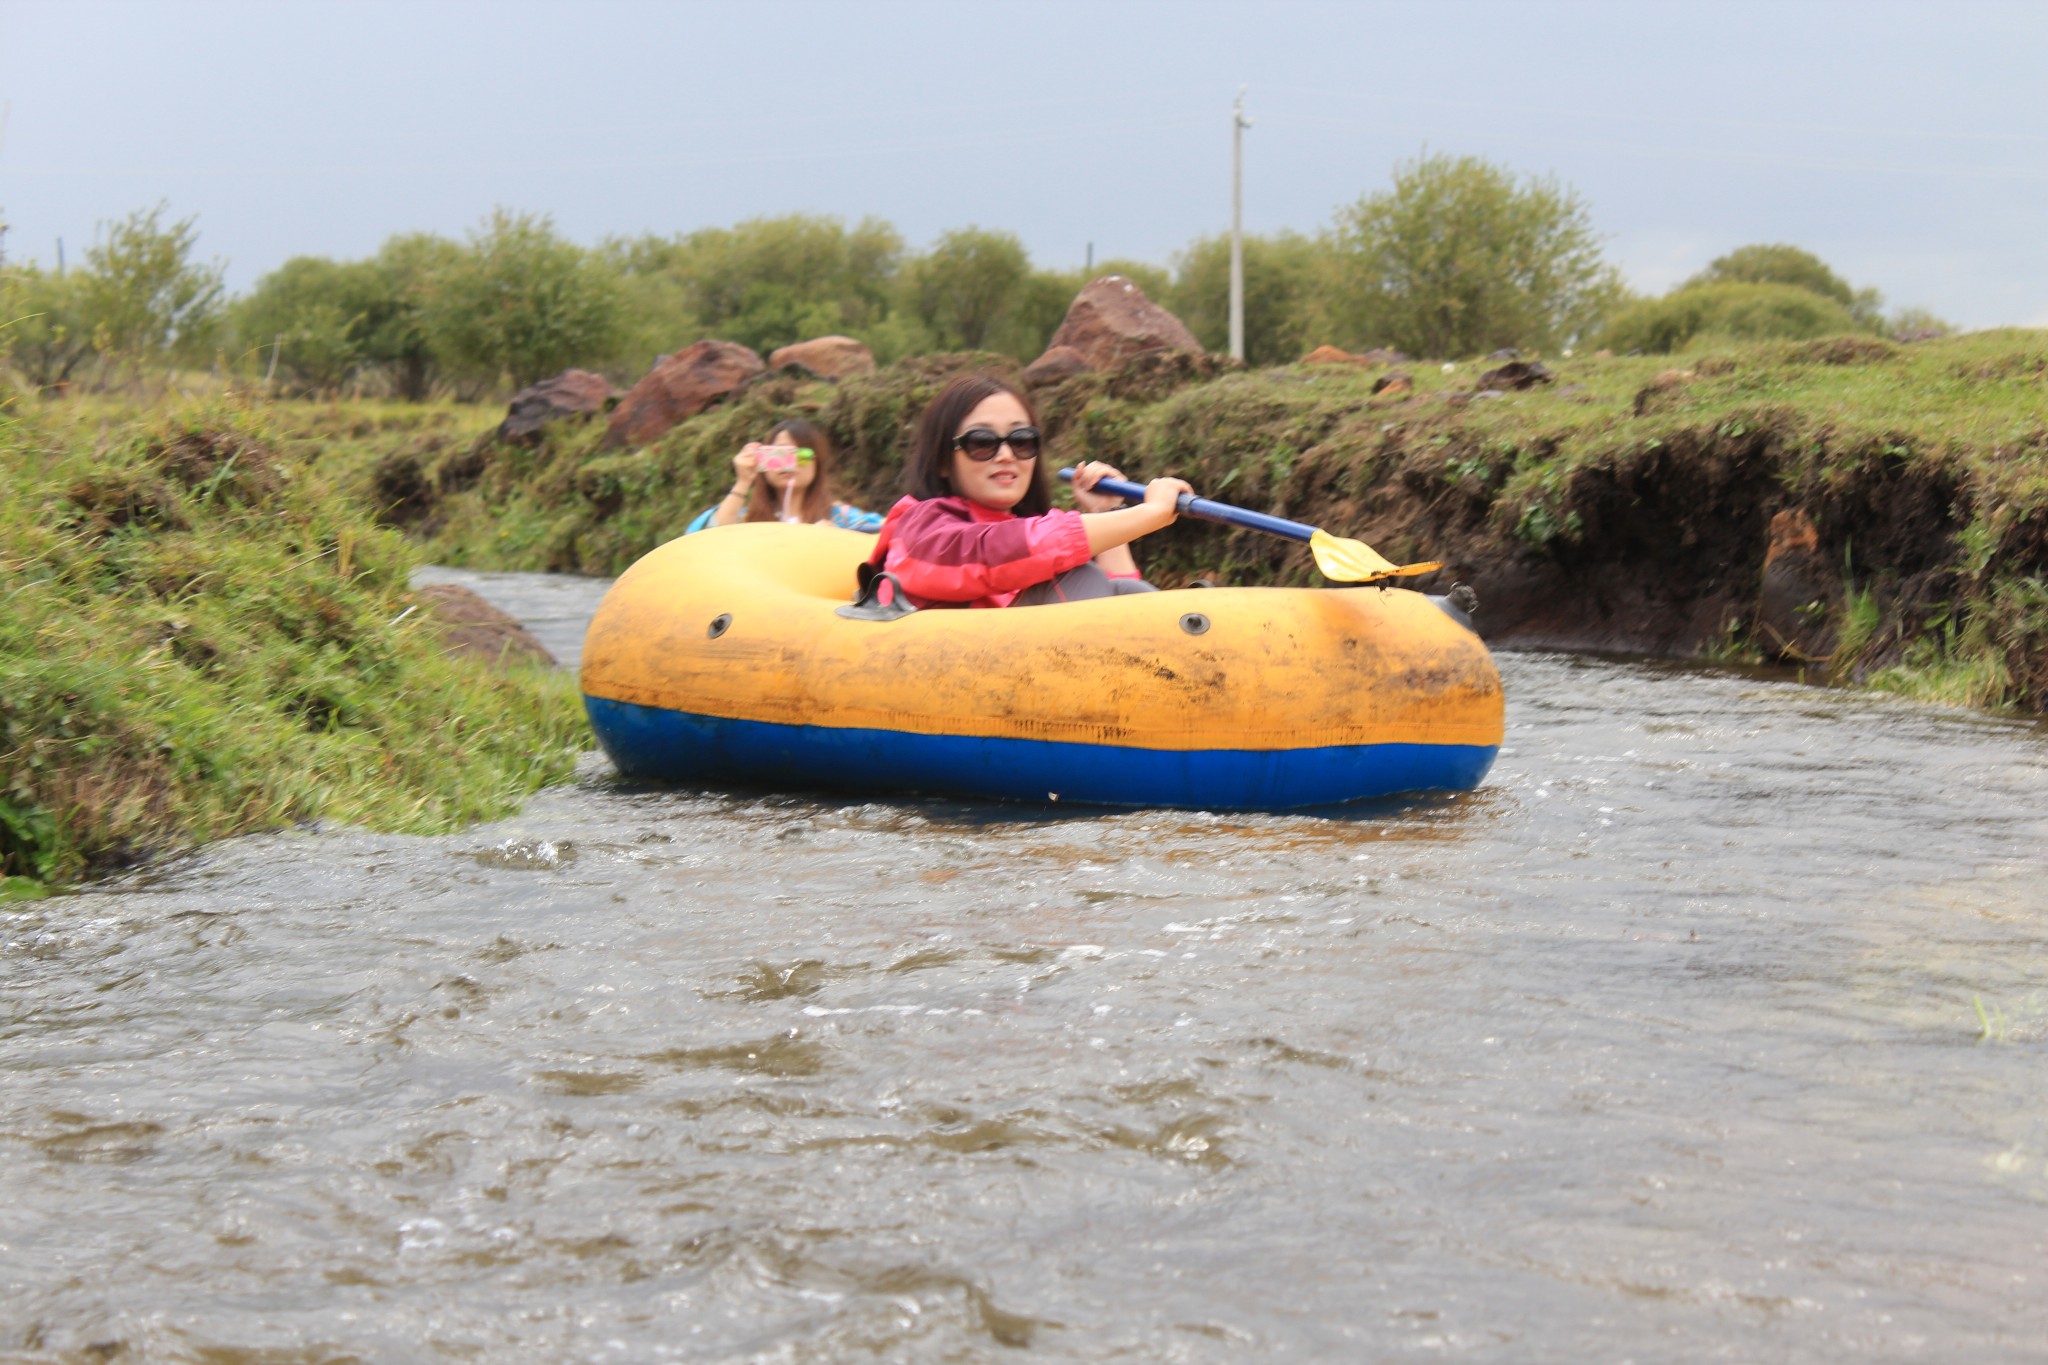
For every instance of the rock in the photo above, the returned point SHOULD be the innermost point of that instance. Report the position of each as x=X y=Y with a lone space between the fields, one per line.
x=1799 y=595
x=1393 y=385
x=1516 y=374
x=679 y=386
x=571 y=394
x=469 y=625
x=1505 y=353
x=1058 y=362
x=826 y=357
x=1334 y=355
x=1383 y=355
x=1111 y=320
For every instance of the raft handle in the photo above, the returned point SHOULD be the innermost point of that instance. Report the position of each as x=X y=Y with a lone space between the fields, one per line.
x=719 y=625
x=1194 y=623
x=870 y=605
x=1460 y=604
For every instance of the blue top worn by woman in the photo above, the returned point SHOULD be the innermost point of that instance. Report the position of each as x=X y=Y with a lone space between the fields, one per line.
x=846 y=518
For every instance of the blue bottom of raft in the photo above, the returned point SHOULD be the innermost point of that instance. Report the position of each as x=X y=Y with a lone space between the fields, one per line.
x=675 y=746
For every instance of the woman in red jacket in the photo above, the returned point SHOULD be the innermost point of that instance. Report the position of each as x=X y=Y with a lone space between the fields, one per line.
x=978 y=528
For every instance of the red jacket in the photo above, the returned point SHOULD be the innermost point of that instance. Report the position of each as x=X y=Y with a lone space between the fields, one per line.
x=959 y=553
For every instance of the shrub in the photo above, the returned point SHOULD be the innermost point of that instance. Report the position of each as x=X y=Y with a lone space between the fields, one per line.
x=521 y=301
x=1458 y=259
x=1713 y=313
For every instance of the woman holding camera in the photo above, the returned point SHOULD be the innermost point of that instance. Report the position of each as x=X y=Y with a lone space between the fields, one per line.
x=788 y=477
x=978 y=528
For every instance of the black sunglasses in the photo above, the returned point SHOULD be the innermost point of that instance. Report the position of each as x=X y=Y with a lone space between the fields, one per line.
x=980 y=444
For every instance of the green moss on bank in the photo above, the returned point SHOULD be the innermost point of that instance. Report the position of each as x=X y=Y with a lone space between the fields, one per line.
x=201 y=638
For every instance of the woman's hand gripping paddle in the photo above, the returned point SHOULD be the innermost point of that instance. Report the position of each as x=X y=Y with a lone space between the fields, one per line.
x=1342 y=560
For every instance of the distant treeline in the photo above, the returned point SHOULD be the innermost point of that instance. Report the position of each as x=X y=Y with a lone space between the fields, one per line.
x=1456 y=258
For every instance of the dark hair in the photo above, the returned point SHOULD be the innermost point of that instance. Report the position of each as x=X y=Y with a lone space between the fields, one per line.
x=766 y=502
x=926 y=474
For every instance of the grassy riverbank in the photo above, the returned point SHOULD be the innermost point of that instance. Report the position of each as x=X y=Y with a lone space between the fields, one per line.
x=202 y=638
x=207 y=633
x=1628 y=505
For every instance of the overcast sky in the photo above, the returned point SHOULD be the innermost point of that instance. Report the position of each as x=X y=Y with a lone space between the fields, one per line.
x=1905 y=143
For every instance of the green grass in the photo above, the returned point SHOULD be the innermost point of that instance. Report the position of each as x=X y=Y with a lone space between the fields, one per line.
x=1924 y=468
x=202 y=638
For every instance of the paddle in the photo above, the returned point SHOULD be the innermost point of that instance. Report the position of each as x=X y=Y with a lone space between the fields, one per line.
x=1346 y=561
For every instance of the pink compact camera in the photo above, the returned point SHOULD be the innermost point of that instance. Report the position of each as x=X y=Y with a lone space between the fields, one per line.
x=781 y=457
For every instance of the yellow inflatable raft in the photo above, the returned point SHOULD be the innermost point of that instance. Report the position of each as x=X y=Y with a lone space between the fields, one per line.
x=722 y=657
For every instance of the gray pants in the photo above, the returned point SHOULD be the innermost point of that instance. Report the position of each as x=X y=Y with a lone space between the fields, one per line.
x=1077 y=585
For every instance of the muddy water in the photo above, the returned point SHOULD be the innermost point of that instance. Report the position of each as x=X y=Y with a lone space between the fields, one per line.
x=1714 y=1027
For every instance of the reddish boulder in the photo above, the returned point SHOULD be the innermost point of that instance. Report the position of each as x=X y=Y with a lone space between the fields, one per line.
x=469 y=625
x=1393 y=385
x=1058 y=362
x=570 y=394
x=1111 y=320
x=1799 y=593
x=679 y=386
x=826 y=357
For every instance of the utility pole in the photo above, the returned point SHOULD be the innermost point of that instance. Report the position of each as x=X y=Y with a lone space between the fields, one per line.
x=1238 y=123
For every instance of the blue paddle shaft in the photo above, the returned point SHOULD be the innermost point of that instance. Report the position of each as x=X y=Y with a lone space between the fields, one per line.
x=1192 y=506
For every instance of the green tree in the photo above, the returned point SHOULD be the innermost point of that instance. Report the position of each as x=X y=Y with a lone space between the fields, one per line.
x=1039 y=308
x=764 y=283
x=1917 y=324
x=47 y=334
x=145 y=296
x=310 y=319
x=968 y=286
x=329 y=321
x=1281 y=275
x=1775 y=263
x=1779 y=263
x=1458 y=259
x=1706 y=314
x=395 y=332
x=521 y=301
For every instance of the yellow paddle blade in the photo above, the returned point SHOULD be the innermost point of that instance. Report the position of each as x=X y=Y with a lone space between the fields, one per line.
x=1354 y=561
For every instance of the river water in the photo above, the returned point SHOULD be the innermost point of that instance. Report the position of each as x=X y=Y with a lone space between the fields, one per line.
x=1713 y=1027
